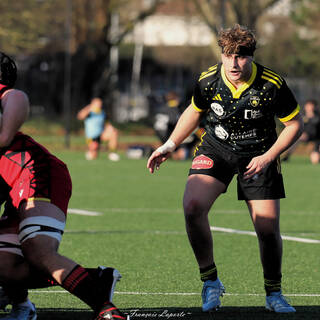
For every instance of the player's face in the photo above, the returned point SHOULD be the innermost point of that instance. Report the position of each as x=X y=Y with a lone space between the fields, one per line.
x=237 y=68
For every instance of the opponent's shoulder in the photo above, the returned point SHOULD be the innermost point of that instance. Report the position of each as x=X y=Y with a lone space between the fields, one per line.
x=270 y=76
x=15 y=93
x=15 y=100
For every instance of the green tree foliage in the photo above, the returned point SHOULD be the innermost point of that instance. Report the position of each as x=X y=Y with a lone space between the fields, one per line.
x=47 y=29
x=306 y=16
x=28 y=25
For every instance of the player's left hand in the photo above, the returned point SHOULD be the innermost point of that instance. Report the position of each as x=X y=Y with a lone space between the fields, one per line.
x=256 y=166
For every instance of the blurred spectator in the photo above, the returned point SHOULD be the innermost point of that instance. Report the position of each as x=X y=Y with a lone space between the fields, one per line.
x=165 y=120
x=98 y=130
x=311 y=131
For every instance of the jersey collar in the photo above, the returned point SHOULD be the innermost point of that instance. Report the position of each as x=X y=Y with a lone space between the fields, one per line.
x=236 y=93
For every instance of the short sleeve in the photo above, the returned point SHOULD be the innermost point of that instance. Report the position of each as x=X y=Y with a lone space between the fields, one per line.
x=197 y=100
x=287 y=106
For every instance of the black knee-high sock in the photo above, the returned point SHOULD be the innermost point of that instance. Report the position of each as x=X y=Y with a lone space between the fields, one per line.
x=209 y=273
x=81 y=283
x=272 y=284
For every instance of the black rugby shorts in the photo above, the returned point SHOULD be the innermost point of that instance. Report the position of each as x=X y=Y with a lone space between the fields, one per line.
x=223 y=165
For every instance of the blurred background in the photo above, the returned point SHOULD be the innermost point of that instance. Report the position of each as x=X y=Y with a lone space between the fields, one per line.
x=137 y=51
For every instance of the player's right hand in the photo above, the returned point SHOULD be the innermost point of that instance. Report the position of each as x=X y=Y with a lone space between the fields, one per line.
x=155 y=160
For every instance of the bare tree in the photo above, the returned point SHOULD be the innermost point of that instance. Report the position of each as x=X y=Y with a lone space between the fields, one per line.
x=222 y=13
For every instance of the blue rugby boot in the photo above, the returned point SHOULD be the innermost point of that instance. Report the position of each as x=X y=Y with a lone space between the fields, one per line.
x=211 y=293
x=277 y=302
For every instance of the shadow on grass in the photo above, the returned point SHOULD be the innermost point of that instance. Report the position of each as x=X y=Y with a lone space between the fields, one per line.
x=225 y=313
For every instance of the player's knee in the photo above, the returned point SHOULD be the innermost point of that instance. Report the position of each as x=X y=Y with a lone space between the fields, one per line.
x=39 y=253
x=269 y=236
x=193 y=209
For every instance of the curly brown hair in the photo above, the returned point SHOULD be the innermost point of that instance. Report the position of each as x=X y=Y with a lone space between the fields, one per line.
x=238 y=39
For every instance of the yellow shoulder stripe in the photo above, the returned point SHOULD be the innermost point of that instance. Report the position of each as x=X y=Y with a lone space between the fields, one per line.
x=291 y=115
x=211 y=71
x=272 y=80
x=213 y=67
x=271 y=75
x=271 y=72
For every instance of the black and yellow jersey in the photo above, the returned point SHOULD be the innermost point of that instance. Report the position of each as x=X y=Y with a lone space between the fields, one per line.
x=243 y=120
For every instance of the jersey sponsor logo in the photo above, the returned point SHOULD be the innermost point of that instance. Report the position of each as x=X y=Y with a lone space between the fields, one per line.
x=220 y=132
x=202 y=162
x=244 y=135
x=254 y=101
x=252 y=114
x=218 y=109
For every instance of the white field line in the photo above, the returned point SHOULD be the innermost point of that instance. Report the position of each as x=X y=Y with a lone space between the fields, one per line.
x=179 y=210
x=251 y=233
x=84 y=212
x=184 y=293
x=226 y=230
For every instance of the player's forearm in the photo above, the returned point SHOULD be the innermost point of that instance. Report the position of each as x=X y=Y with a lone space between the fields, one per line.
x=289 y=135
x=187 y=123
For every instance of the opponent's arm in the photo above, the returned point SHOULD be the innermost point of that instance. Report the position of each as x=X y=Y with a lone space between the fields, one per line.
x=15 y=106
x=187 y=123
x=288 y=136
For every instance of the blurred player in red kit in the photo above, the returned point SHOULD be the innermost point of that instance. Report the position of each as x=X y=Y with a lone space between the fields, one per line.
x=35 y=187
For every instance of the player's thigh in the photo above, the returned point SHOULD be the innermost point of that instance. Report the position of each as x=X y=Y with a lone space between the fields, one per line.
x=200 y=193
x=265 y=214
x=41 y=208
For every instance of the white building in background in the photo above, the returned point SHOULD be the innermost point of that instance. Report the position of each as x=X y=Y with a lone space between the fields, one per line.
x=166 y=31
x=162 y=30
x=175 y=30
x=282 y=8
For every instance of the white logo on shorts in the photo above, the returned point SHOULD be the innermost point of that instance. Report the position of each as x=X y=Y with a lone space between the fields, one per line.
x=21 y=193
x=220 y=132
x=218 y=109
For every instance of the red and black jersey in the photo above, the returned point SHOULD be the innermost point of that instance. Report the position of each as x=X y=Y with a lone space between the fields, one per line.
x=28 y=171
x=243 y=120
x=3 y=89
x=31 y=172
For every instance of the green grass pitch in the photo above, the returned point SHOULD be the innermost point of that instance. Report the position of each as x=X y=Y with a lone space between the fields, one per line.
x=141 y=232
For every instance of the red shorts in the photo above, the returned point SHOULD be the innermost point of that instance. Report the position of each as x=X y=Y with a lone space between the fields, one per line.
x=33 y=173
